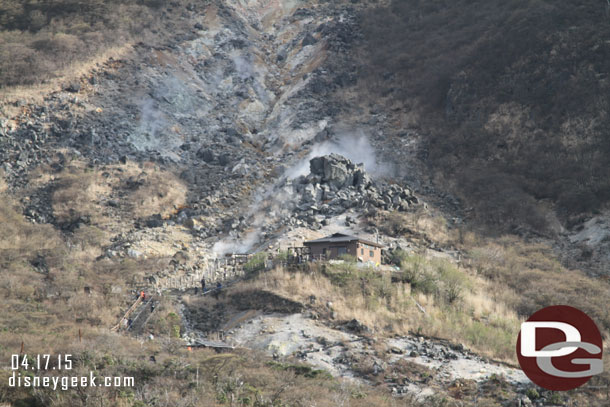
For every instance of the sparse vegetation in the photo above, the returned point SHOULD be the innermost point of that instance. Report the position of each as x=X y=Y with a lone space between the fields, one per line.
x=302 y=370
x=180 y=378
x=43 y=40
x=156 y=192
x=256 y=263
x=44 y=307
x=512 y=97
x=77 y=196
x=421 y=226
x=522 y=275
x=533 y=271
x=388 y=307
x=81 y=194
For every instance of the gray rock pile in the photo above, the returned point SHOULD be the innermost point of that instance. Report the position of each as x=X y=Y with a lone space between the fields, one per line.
x=335 y=184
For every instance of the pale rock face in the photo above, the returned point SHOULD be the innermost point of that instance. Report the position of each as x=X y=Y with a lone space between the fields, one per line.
x=334 y=170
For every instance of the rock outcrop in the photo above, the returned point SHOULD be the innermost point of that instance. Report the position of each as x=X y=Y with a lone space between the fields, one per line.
x=335 y=184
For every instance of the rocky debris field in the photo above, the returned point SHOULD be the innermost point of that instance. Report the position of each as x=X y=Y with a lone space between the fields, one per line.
x=228 y=107
x=335 y=184
x=335 y=190
x=225 y=105
x=348 y=350
x=221 y=115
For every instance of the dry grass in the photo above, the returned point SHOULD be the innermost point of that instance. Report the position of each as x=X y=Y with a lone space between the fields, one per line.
x=80 y=205
x=79 y=193
x=421 y=225
x=514 y=276
x=83 y=193
x=537 y=279
x=42 y=275
x=44 y=307
x=42 y=43
x=20 y=240
x=477 y=320
x=35 y=93
x=179 y=378
x=158 y=192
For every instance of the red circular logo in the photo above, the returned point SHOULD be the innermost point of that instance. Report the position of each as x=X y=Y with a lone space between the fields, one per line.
x=560 y=348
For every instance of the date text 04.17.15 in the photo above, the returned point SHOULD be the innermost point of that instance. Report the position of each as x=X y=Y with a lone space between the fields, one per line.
x=41 y=362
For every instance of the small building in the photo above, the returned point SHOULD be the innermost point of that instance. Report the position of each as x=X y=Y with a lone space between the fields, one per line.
x=335 y=245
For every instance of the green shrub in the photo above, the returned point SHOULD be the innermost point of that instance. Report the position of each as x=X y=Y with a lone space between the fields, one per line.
x=397 y=257
x=302 y=370
x=256 y=263
x=434 y=277
x=416 y=272
x=283 y=256
x=532 y=394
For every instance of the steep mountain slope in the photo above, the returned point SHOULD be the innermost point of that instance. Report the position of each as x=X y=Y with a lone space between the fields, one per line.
x=510 y=99
x=239 y=126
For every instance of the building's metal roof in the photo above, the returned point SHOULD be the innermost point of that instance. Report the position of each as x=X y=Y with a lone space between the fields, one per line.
x=341 y=238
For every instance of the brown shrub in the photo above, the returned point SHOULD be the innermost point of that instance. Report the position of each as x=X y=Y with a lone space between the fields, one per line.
x=156 y=192
x=511 y=97
x=533 y=272
x=77 y=195
x=40 y=40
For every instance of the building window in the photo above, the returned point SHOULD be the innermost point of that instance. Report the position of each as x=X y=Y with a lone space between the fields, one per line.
x=341 y=250
x=362 y=252
x=371 y=253
x=324 y=251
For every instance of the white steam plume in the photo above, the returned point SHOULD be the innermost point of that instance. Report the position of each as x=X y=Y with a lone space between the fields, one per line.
x=355 y=146
x=269 y=204
x=279 y=199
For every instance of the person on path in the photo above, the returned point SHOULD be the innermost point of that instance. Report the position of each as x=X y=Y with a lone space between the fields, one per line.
x=218 y=288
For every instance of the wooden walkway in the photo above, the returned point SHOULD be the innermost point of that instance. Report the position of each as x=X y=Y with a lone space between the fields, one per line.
x=125 y=317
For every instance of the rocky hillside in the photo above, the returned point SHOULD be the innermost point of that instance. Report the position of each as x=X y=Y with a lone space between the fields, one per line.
x=510 y=101
x=230 y=131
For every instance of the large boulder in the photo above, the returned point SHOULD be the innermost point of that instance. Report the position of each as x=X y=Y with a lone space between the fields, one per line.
x=206 y=155
x=334 y=170
x=335 y=184
x=361 y=178
x=316 y=166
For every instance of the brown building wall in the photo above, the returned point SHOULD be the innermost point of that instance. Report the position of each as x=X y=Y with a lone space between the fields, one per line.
x=369 y=253
x=332 y=250
x=356 y=249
